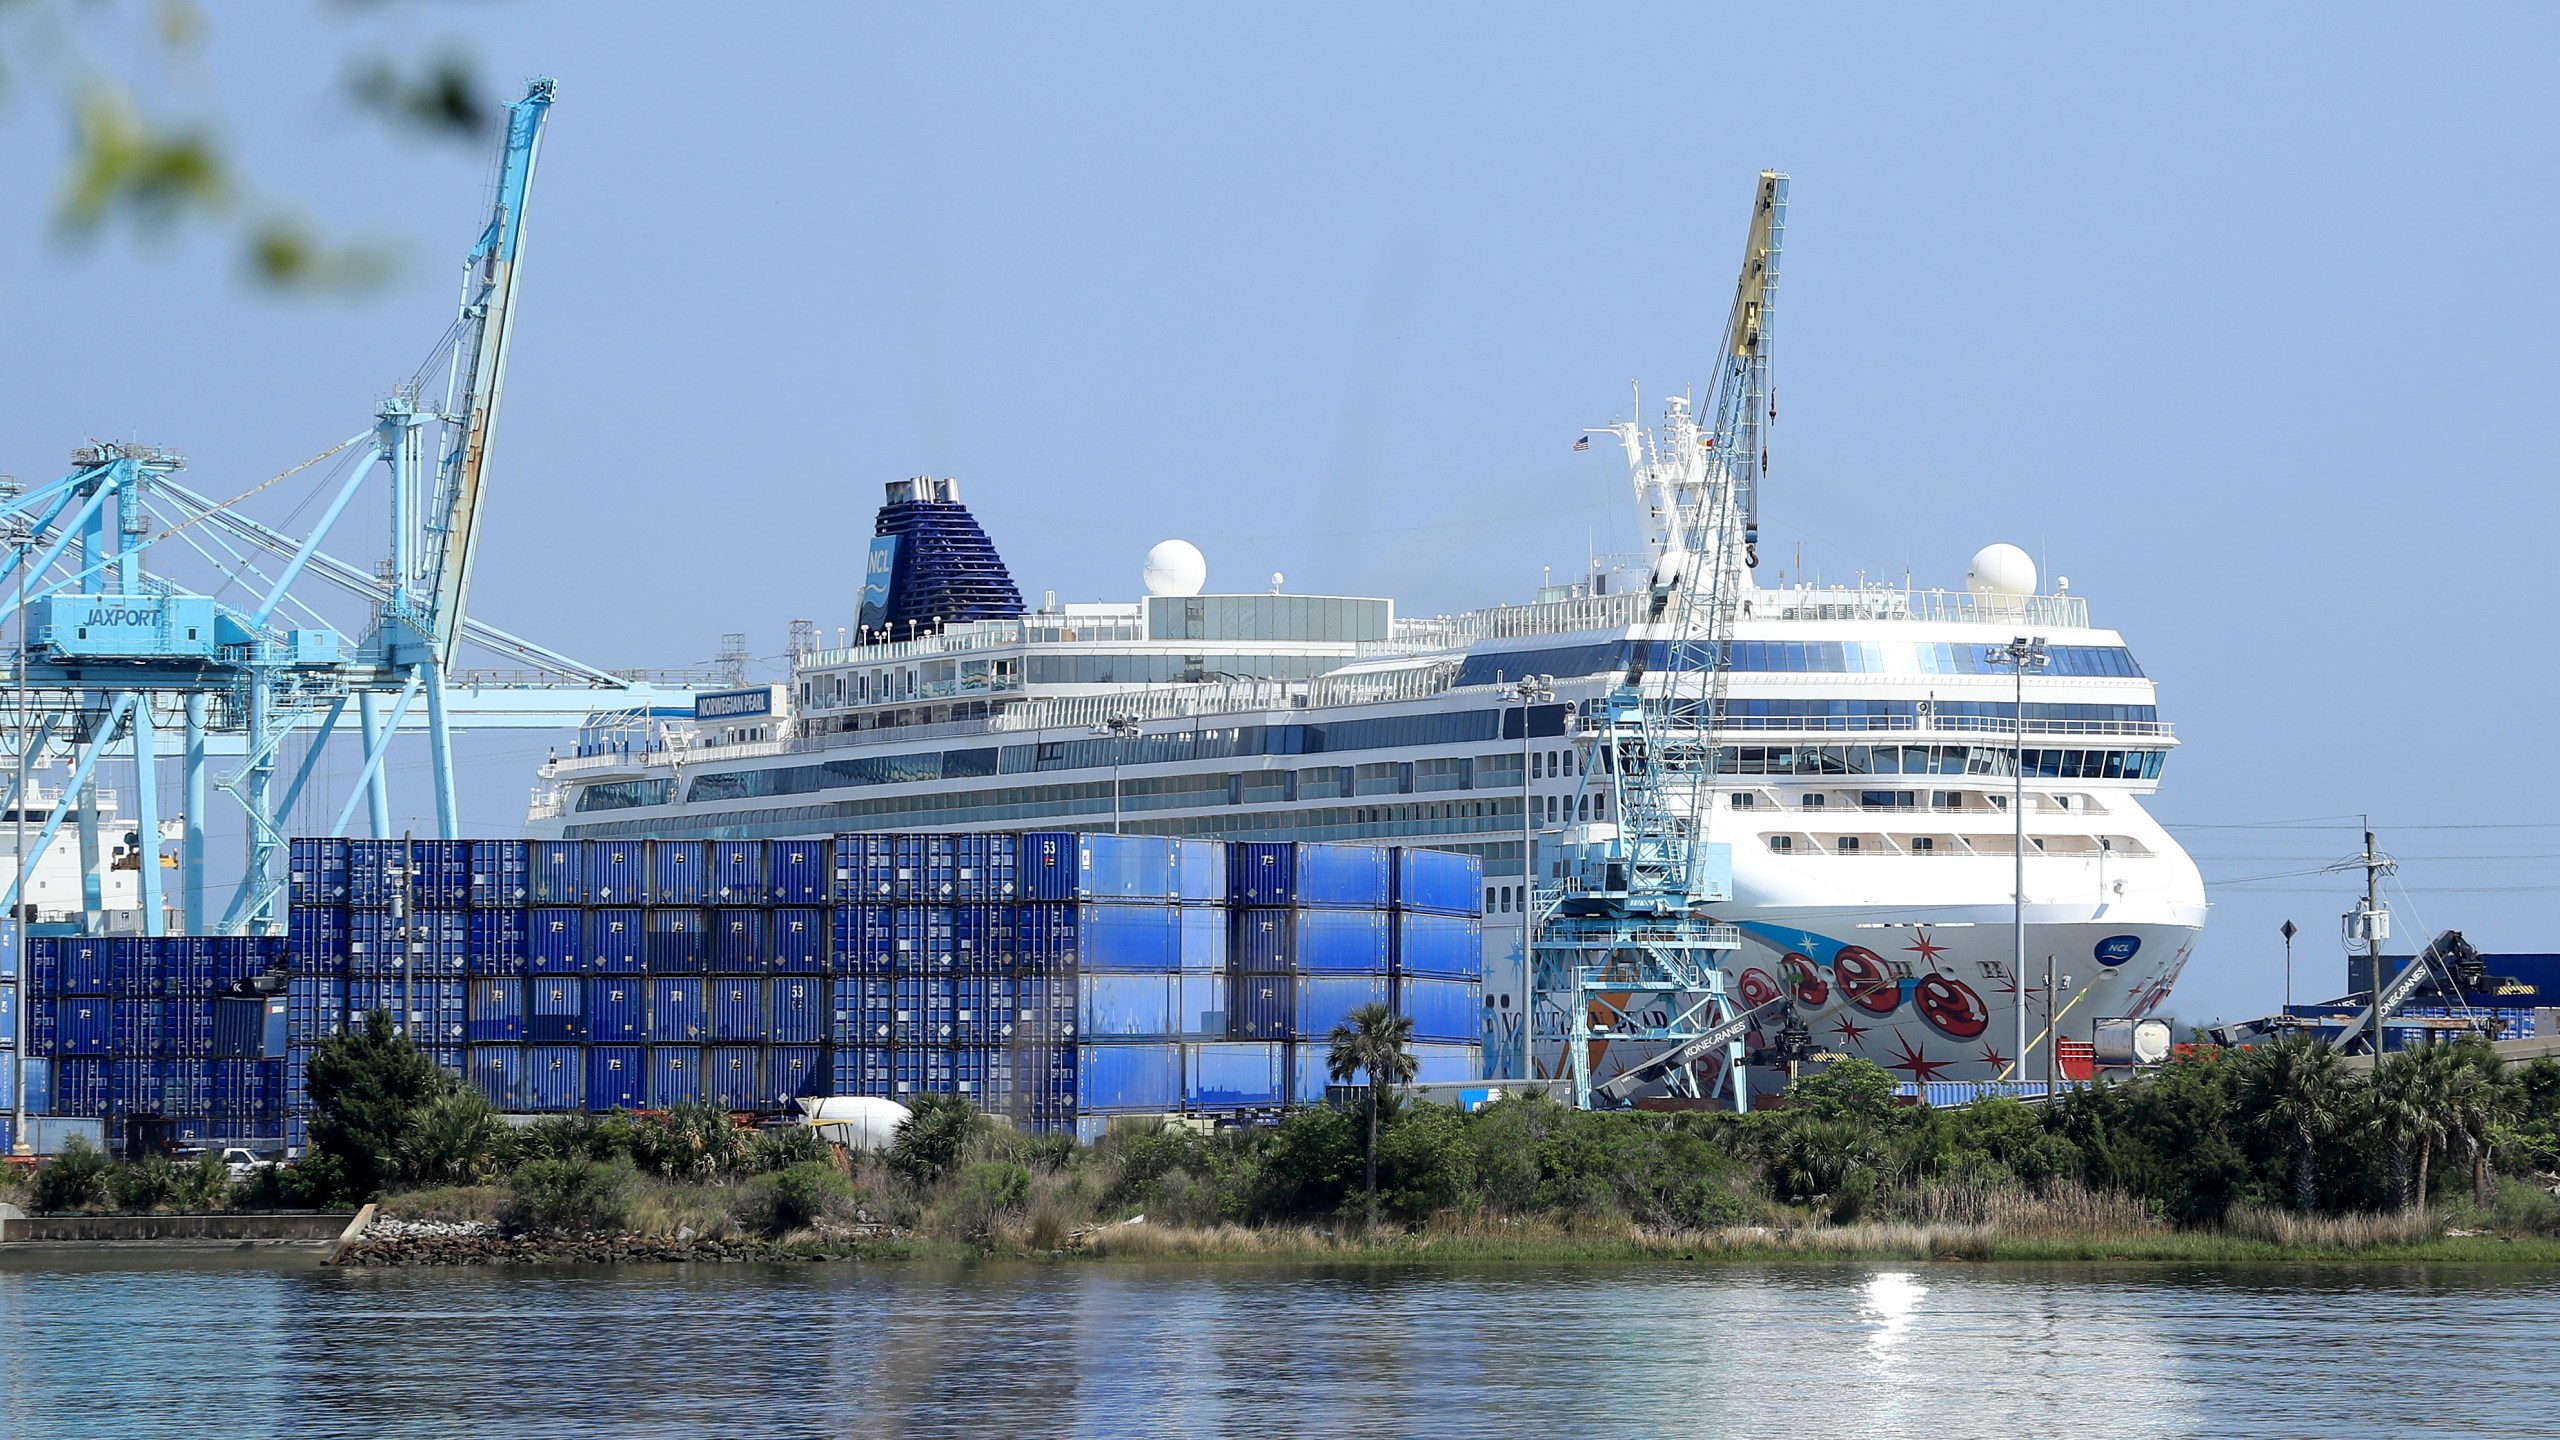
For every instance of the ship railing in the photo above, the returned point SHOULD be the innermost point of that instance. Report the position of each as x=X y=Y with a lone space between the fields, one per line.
x=1168 y=702
x=1607 y=612
x=1411 y=683
x=1950 y=724
x=981 y=635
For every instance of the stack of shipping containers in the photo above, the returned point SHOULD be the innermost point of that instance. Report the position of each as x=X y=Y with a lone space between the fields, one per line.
x=1058 y=979
x=134 y=1031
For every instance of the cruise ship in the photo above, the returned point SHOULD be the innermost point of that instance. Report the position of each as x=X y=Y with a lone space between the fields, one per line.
x=1866 y=748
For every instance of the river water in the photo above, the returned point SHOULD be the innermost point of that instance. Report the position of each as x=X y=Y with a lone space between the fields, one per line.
x=273 y=1347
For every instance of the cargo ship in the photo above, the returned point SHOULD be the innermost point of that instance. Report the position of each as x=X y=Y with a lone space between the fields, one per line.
x=1867 y=742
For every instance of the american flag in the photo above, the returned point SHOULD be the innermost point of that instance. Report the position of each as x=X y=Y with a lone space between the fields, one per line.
x=1583 y=443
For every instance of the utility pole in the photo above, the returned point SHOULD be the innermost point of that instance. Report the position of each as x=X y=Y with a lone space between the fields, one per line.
x=2377 y=928
x=2021 y=655
x=2288 y=932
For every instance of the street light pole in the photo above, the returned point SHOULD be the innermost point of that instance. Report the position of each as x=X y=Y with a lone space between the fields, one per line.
x=1122 y=729
x=2288 y=932
x=22 y=540
x=2021 y=655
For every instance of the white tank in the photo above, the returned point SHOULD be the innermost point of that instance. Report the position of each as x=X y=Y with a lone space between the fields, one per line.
x=2124 y=1042
x=2001 y=570
x=858 y=1122
x=1176 y=567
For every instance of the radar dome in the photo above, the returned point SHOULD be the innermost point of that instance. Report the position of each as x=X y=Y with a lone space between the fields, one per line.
x=1176 y=567
x=2001 y=570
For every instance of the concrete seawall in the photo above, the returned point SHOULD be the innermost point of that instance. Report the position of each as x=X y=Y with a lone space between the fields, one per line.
x=314 y=1229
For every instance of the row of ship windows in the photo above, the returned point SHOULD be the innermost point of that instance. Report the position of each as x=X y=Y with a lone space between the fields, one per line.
x=1793 y=657
x=1933 y=845
x=1085 y=805
x=2040 y=763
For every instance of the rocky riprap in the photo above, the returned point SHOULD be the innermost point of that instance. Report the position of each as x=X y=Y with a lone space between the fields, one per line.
x=400 y=1243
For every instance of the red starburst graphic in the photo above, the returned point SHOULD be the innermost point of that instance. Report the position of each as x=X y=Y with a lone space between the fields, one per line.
x=1922 y=1068
x=1928 y=950
x=1992 y=1058
x=2009 y=986
x=1851 y=1031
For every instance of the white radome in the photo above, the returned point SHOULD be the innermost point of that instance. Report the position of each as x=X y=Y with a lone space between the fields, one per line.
x=2001 y=570
x=1176 y=567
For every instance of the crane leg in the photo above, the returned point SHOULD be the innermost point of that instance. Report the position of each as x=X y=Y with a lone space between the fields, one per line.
x=93 y=901
x=146 y=815
x=377 y=791
x=448 y=821
x=191 y=846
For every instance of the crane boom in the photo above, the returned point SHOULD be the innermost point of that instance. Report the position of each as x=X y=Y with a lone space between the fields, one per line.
x=487 y=326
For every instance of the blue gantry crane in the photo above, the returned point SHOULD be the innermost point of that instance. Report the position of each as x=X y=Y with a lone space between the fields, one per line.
x=1626 y=952
x=117 y=649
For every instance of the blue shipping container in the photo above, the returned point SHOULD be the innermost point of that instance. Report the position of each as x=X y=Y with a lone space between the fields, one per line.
x=1046 y=935
x=990 y=866
x=1200 y=872
x=134 y=1025
x=1203 y=940
x=440 y=874
x=316 y=871
x=1309 y=873
x=679 y=942
x=1439 y=882
x=500 y=942
x=617 y=1009
x=793 y=1071
x=135 y=967
x=87 y=965
x=243 y=957
x=617 y=1078
x=1128 y=1077
x=925 y=1070
x=1200 y=1004
x=864 y=1070
x=679 y=872
x=798 y=1011
x=1285 y=941
x=740 y=873
x=315 y=1008
x=615 y=942
x=1044 y=1009
x=866 y=939
x=741 y=941
x=1235 y=1075
x=675 y=1075
x=1124 y=1005
x=316 y=942
x=1307 y=1007
x=733 y=1077
x=800 y=942
x=498 y=1071
x=928 y=940
x=554 y=1078
x=866 y=869
x=555 y=1009
x=928 y=1009
x=865 y=1010
x=1129 y=938
x=555 y=942
x=186 y=1028
x=927 y=869
x=676 y=1010
x=82 y=1025
x=617 y=872
x=495 y=1012
x=1448 y=1010
x=501 y=874
x=736 y=1008
x=983 y=937
x=83 y=1086
x=985 y=1015
x=374 y=872
x=799 y=871
x=559 y=872
x=1442 y=946
x=1045 y=865
x=1124 y=867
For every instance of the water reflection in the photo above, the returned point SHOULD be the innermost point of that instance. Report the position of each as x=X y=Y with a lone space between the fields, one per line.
x=1111 y=1350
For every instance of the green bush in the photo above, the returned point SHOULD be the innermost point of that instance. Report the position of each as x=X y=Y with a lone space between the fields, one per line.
x=454 y=1139
x=1051 y=1154
x=795 y=1197
x=568 y=1196
x=785 y=1146
x=1425 y=1164
x=691 y=1142
x=987 y=1192
x=205 y=1184
x=576 y=1137
x=366 y=1087
x=74 y=1179
x=933 y=1139
x=143 y=1185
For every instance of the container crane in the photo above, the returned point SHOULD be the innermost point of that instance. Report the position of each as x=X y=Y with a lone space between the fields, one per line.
x=1626 y=950
x=117 y=651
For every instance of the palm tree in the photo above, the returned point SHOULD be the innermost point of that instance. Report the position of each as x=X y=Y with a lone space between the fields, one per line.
x=1378 y=1040
x=2480 y=1100
x=2296 y=1084
x=2412 y=1107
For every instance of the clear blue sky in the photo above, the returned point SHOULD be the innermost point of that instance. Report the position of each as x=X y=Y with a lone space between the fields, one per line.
x=2239 y=316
